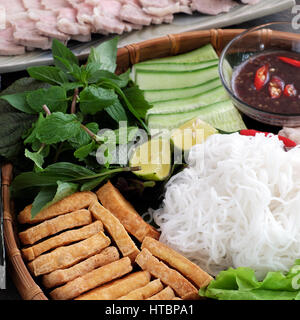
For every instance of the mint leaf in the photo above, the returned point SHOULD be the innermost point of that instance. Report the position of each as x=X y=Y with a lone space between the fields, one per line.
x=58 y=127
x=48 y=74
x=105 y=54
x=82 y=138
x=55 y=98
x=94 y=99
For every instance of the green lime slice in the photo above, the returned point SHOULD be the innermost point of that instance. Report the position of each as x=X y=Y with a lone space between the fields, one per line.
x=191 y=133
x=154 y=158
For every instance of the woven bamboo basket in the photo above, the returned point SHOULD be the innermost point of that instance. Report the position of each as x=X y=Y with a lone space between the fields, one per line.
x=127 y=56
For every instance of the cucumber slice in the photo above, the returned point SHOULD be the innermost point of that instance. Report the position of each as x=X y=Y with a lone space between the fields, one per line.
x=153 y=80
x=222 y=115
x=167 y=94
x=176 y=66
x=204 y=53
x=188 y=104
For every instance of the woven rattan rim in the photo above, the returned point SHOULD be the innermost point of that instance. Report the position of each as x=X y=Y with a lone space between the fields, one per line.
x=127 y=56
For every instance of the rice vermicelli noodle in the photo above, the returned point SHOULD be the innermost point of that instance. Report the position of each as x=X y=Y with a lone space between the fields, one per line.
x=236 y=204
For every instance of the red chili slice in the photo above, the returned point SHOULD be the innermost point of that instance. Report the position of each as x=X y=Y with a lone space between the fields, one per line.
x=276 y=87
x=293 y=62
x=261 y=77
x=290 y=90
x=250 y=132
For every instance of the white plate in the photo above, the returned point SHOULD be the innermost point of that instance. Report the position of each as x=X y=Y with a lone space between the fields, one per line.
x=182 y=23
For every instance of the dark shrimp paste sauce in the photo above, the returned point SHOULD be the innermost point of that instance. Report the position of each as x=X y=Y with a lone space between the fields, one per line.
x=243 y=83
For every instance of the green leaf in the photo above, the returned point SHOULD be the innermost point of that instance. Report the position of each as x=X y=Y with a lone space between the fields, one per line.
x=55 y=98
x=36 y=157
x=90 y=185
x=85 y=150
x=137 y=100
x=69 y=170
x=50 y=195
x=82 y=138
x=102 y=75
x=48 y=74
x=94 y=99
x=105 y=54
x=241 y=284
x=18 y=101
x=58 y=127
x=44 y=197
x=117 y=111
x=59 y=50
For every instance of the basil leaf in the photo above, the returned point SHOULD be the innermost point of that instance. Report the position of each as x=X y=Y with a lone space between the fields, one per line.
x=48 y=74
x=55 y=98
x=105 y=54
x=94 y=99
x=61 y=51
x=58 y=127
x=18 y=101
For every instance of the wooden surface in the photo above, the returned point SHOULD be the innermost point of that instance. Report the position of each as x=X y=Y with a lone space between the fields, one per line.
x=11 y=293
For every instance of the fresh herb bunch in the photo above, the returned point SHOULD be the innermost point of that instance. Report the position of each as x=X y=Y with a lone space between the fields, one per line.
x=53 y=117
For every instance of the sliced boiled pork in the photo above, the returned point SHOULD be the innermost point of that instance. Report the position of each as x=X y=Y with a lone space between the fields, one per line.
x=7 y=44
x=213 y=7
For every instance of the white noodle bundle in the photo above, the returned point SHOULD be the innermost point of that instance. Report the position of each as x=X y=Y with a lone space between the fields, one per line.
x=238 y=206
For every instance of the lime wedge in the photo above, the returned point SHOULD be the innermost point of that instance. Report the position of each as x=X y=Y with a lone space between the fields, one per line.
x=191 y=133
x=154 y=158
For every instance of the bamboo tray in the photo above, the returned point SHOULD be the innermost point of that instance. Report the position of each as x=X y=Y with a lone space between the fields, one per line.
x=127 y=56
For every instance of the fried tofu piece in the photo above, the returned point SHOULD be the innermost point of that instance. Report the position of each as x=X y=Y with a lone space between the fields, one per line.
x=116 y=230
x=168 y=276
x=92 y=279
x=62 y=239
x=67 y=256
x=74 y=202
x=62 y=276
x=165 y=294
x=145 y=292
x=55 y=225
x=118 y=288
x=113 y=200
x=177 y=261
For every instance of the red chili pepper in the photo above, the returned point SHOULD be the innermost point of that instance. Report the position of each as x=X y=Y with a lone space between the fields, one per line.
x=293 y=62
x=261 y=77
x=276 y=87
x=250 y=132
x=290 y=90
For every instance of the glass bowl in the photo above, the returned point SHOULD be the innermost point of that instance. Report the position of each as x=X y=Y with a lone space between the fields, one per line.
x=271 y=36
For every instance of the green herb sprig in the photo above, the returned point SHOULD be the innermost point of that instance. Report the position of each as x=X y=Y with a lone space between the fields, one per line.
x=53 y=117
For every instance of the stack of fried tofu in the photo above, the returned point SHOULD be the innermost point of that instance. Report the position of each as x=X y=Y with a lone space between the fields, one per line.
x=95 y=246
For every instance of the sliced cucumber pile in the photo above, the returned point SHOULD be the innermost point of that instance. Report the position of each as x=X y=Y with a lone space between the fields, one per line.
x=222 y=115
x=186 y=86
